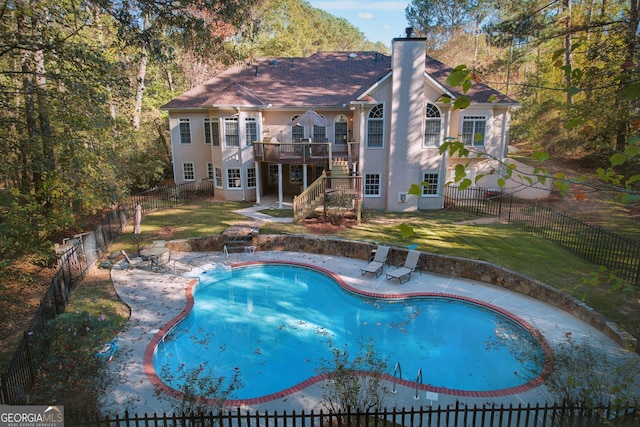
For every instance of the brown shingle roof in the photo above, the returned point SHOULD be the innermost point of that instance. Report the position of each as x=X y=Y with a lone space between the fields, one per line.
x=323 y=79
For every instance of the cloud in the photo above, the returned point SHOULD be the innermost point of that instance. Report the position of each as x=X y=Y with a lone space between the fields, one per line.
x=366 y=15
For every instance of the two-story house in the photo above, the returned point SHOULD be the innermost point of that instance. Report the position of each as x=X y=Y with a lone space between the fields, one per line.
x=273 y=127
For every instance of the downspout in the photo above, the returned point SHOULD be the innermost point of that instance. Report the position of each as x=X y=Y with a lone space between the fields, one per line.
x=444 y=168
x=258 y=182
x=280 y=195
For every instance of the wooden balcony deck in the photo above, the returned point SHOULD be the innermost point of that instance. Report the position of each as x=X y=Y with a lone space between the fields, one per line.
x=301 y=152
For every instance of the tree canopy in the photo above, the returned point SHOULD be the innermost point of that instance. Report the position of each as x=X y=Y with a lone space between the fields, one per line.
x=572 y=64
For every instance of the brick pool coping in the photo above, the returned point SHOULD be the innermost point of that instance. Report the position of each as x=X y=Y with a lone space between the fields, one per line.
x=429 y=262
x=162 y=387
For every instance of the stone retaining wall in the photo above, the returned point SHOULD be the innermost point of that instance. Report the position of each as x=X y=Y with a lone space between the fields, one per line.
x=434 y=263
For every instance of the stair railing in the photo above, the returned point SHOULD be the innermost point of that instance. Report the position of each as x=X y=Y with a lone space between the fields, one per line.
x=307 y=201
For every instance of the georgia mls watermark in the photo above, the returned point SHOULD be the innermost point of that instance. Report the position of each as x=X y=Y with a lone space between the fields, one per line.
x=31 y=416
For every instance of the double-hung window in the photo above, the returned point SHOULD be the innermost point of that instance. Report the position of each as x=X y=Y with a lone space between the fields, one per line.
x=218 y=177
x=341 y=129
x=432 y=125
x=371 y=184
x=231 y=132
x=319 y=133
x=188 y=171
x=251 y=130
x=234 y=179
x=430 y=183
x=375 y=128
x=210 y=171
x=251 y=178
x=185 y=131
x=212 y=131
x=473 y=130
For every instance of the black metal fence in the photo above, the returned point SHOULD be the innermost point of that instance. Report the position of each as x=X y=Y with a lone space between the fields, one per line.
x=173 y=195
x=75 y=257
x=587 y=241
x=458 y=415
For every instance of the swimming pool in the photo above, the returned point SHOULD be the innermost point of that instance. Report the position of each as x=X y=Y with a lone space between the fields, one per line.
x=273 y=323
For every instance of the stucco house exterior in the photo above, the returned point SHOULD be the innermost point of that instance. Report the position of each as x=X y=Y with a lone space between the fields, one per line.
x=274 y=126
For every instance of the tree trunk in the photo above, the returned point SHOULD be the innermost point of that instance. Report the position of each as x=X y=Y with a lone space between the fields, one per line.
x=568 y=61
x=142 y=71
x=30 y=154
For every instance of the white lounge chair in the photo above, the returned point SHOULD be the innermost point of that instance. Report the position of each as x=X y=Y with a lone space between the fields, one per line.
x=410 y=265
x=378 y=262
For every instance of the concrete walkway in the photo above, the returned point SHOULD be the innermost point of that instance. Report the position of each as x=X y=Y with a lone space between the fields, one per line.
x=157 y=298
x=254 y=213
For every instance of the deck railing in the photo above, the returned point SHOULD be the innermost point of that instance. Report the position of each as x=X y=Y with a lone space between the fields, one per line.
x=310 y=199
x=335 y=187
x=293 y=153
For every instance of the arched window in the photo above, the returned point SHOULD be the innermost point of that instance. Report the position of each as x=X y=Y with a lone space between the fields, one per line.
x=375 y=128
x=341 y=129
x=297 y=131
x=432 y=126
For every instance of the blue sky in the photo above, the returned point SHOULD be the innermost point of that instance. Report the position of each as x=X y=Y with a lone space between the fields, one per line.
x=379 y=20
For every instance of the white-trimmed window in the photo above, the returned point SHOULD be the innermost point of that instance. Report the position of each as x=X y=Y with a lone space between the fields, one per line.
x=319 y=133
x=432 y=126
x=251 y=130
x=212 y=131
x=251 y=178
x=375 y=127
x=297 y=131
x=234 y=178
x=218 y=177
x=474 y=130
x=231 y=132
x=184 y=126
x=341 y=129
x=273 y=173
x=295 y=176
x=210 y=171
x=371 y=184
x=188 y=171
x=431 y=180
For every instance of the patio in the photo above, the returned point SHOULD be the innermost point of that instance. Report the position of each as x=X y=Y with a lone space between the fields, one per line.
x=157 y=298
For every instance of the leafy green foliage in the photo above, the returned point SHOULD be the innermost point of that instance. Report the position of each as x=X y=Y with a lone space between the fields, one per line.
x=354 y=380
x=585 y=373
x=201 y=392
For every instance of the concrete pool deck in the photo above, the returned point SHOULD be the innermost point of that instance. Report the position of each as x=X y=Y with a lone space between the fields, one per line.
x=156 y=299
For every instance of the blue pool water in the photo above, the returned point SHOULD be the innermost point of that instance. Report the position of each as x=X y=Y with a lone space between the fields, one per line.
x=273 y=323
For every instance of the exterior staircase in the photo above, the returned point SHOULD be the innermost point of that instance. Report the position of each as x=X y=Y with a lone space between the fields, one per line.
x=310 y=199
x=239 y=237
x=314 y=195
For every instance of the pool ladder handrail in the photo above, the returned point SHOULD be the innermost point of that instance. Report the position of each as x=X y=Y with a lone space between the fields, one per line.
x=397 y=369
x=418 y=383
x=397 y=373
